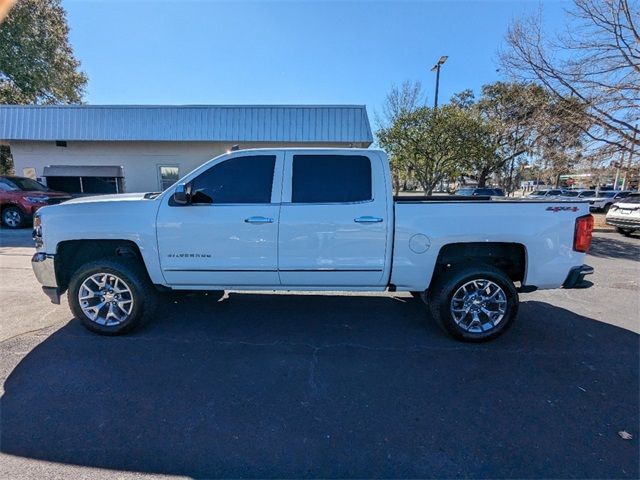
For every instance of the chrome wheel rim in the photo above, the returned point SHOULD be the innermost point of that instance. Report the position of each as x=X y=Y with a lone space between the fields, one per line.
x=478 y=306
x=105 y=299
x=12 y=218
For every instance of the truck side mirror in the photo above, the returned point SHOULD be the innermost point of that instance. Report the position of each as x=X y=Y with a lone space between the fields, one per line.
x=180 y=195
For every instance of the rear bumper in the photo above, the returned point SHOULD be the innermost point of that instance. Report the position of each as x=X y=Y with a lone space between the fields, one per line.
x=623 y=222
x=575 y=279
x=43 y=266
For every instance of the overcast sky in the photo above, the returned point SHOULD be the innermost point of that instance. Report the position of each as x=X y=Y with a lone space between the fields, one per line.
x=286 y=52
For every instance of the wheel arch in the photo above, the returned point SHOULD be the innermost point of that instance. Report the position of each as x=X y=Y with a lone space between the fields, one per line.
x=509 y=257
x=72 y=254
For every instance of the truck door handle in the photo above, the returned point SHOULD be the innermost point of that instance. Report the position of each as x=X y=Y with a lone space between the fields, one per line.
x=367 y=219
x=257 y=220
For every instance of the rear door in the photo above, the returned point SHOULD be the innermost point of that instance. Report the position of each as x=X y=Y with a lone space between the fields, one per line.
x=333 y=220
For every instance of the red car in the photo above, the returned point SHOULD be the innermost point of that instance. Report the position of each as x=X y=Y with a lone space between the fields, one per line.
x=20 y=197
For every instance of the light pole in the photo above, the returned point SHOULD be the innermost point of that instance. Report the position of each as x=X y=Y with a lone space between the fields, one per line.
x=436 y=68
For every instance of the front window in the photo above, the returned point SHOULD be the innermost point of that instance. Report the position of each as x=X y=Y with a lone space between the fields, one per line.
x=633 y=198
x=247 y=179
x=168 y=175
x=587 y=194
x=571 y=194
x=607 y=194
x=465 y=191
x=27 y=184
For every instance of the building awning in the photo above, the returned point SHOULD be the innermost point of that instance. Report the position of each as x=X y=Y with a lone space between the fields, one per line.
x=83 y=171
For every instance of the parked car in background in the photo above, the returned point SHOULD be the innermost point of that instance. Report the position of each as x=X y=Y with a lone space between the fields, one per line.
x=551 y=193
x=484 y=191
x=20 y=197
x=625 y=214
x=578 y=194
x=603 y=201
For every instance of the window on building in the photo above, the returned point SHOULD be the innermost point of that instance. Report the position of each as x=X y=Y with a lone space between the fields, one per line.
x=86 y=184
x=168 y=175
x=238 y=180
x=331 y=179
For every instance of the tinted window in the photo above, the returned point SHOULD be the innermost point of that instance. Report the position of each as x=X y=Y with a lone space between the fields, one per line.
x=237 y=180
x=623 y=195
x=590 y=193
x=538 y=192
x=633 y=198
x=331 y=178
x=465 y=191
x=484 y=191
x=609 y=194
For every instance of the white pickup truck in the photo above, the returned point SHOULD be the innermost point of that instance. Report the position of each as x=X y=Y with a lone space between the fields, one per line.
x=307 y=219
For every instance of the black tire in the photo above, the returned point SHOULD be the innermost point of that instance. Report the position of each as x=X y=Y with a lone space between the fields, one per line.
x=625 y=231
x=447 y=284
x=606 y=208
x=143 y=294
x=13 y=217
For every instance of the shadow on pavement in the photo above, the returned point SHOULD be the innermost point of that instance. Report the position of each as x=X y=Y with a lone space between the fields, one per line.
x=611 y=247
x=330 y=386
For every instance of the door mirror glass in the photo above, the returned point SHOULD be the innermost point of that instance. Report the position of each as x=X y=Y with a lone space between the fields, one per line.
x=180 y=195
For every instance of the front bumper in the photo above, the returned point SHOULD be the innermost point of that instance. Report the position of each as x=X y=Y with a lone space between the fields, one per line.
x=43 y=265
x=575 y=279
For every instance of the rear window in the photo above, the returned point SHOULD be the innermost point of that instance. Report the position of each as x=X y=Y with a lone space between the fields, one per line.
x=331 y=179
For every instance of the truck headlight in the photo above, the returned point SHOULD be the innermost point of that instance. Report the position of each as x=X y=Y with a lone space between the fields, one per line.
x=36 y=199
x=37 y=230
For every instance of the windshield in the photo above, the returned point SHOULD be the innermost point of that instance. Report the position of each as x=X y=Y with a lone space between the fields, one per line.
x=633 y=198
x=538 y=192
x=27 y=184
x=588 y=193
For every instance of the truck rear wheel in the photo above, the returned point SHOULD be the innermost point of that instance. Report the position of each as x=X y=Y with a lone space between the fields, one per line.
x=474 y=304
x=111 y=296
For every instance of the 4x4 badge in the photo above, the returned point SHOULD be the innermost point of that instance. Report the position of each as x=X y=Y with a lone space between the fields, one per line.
x=562 y=209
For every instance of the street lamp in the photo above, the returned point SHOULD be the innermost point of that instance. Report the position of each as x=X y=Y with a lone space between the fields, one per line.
x=436 y=68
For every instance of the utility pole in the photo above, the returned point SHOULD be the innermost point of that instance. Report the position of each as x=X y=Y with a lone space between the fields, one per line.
x=436 y=68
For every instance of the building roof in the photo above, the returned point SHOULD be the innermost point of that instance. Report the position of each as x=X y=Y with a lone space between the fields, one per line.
x=228 y=123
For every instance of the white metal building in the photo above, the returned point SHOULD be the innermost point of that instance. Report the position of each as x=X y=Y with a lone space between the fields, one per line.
x=102 y=149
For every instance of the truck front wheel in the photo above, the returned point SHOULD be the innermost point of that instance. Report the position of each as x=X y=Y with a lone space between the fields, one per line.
x=474 y=304
x=111 y=296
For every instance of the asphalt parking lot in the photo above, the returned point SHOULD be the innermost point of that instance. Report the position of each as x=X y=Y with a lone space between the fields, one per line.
x=297 y=385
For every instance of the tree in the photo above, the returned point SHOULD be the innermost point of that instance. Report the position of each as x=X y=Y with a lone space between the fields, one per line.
x=597 y=63
x=399 y=101
x=37 y=65
x=433 y=142
x=507 y=112
x=521 y=121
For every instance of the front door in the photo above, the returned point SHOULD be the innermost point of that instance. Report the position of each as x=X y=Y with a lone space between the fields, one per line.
x=227 y=235
x=333 y=223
